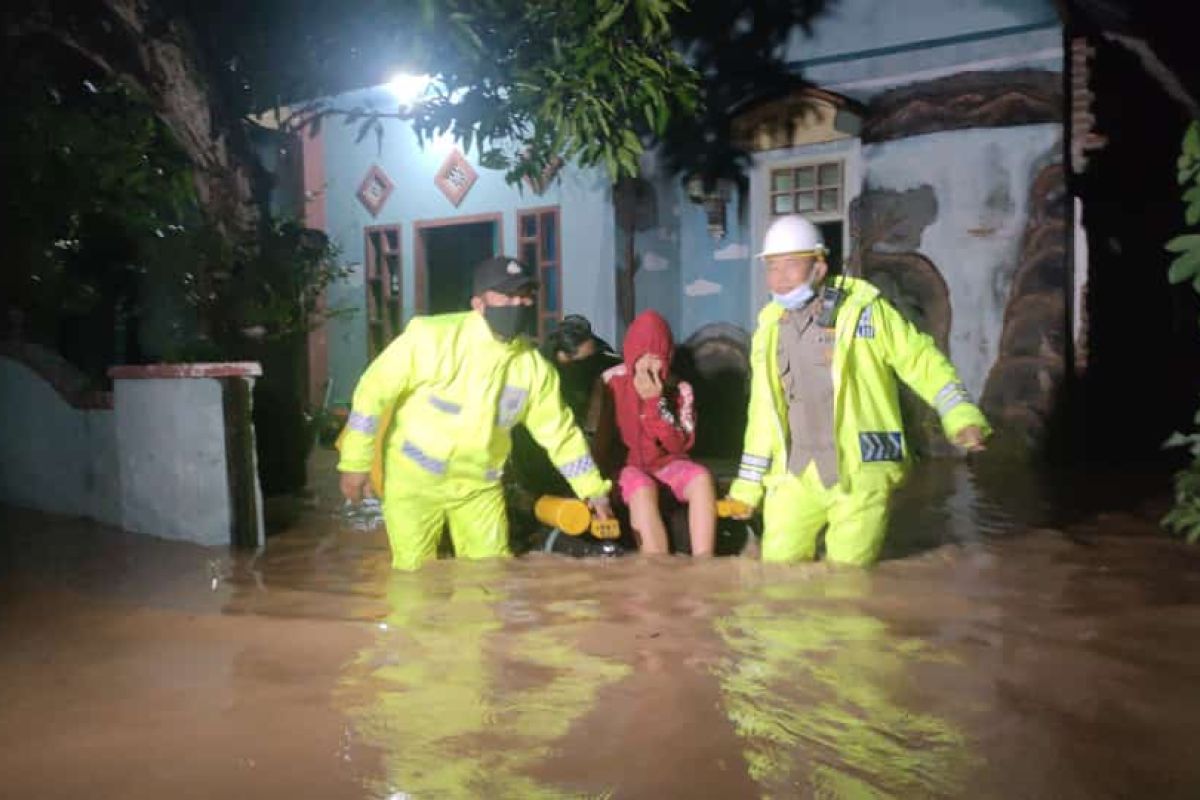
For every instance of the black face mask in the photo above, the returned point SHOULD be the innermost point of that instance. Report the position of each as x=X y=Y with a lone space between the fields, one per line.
x=508 y=322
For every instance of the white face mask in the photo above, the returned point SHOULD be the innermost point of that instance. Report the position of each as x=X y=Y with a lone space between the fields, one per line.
x=796 y=297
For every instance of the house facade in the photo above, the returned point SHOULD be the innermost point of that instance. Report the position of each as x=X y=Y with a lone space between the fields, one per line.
x=930 y=151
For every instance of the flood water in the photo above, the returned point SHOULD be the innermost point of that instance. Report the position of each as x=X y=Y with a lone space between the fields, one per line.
x=997 y=653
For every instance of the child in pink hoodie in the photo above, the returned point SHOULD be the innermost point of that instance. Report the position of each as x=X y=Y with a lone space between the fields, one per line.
x=657 y=419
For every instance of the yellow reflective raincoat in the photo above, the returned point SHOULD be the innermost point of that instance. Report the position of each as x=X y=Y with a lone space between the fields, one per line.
x=873 y=345
x=457 y=392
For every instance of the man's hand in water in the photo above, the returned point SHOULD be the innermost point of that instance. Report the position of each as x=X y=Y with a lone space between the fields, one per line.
x=600 y=506
x=970 y=439
x=355 y=486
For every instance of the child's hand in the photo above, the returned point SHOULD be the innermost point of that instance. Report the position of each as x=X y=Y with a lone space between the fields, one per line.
x=647 y=384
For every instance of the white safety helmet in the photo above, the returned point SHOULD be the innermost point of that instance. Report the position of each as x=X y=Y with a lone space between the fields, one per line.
x=793 y=234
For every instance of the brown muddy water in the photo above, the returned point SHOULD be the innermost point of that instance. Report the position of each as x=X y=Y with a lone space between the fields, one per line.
x=991 y=657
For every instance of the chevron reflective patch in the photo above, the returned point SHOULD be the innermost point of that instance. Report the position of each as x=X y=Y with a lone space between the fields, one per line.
x=866 y=328
x=881 y=446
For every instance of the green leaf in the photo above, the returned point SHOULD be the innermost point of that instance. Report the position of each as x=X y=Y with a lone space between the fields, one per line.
x=1184 y=267
x=1191 y=141
x=664 y=118
x=610 y=17
x=1187 y=242
x=1177 y=439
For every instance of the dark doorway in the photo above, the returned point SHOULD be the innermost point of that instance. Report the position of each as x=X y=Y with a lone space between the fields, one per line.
x=1142 y=345
x=447 y=255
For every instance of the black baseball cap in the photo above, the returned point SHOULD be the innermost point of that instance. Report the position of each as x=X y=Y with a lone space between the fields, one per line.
x=502 y=274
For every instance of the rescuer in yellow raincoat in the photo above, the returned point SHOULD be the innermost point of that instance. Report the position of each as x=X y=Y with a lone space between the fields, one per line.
x=456 y=384
x=824 y=441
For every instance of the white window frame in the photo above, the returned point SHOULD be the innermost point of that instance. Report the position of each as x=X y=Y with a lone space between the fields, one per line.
x=847 y=151
x=816 y=215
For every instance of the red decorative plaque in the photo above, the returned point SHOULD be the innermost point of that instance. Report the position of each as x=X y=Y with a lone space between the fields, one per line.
x=374 y=190
x=456 y=177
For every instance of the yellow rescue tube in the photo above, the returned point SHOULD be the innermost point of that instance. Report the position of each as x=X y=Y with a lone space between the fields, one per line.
x=573 y=517
x=567 y=514
x=727 y=507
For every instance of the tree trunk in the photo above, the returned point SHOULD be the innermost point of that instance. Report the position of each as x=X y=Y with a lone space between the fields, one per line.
x=155 y=52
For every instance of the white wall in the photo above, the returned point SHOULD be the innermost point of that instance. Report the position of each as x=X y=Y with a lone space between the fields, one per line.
x=53 y=456
x=155 y=464
x=171 y=457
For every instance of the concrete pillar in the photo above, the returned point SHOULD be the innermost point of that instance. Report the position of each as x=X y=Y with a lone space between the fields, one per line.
x=185 y=450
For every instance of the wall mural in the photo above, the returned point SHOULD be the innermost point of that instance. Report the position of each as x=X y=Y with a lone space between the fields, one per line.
x=885 y=230
x=966 y=100
x=1022 y=387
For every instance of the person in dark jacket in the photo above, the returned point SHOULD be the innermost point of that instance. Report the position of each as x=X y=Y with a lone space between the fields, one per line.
x=581 y=358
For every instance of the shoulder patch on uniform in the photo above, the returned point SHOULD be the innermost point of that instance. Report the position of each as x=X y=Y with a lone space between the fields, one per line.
x=866 y=324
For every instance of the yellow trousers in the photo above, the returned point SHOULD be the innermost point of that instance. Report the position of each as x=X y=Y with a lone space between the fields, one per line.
x=797 y=508
x=475 y=511
x=415 y=521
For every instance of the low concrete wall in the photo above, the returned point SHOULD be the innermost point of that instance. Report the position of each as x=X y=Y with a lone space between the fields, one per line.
x=57 y=452
x=170 y=452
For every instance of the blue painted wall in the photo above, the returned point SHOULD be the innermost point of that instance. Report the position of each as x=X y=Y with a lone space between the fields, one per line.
x=583 y=196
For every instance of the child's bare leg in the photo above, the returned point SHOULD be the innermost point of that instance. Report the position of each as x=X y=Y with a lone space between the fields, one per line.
x=646 y=521
x=701 y=498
